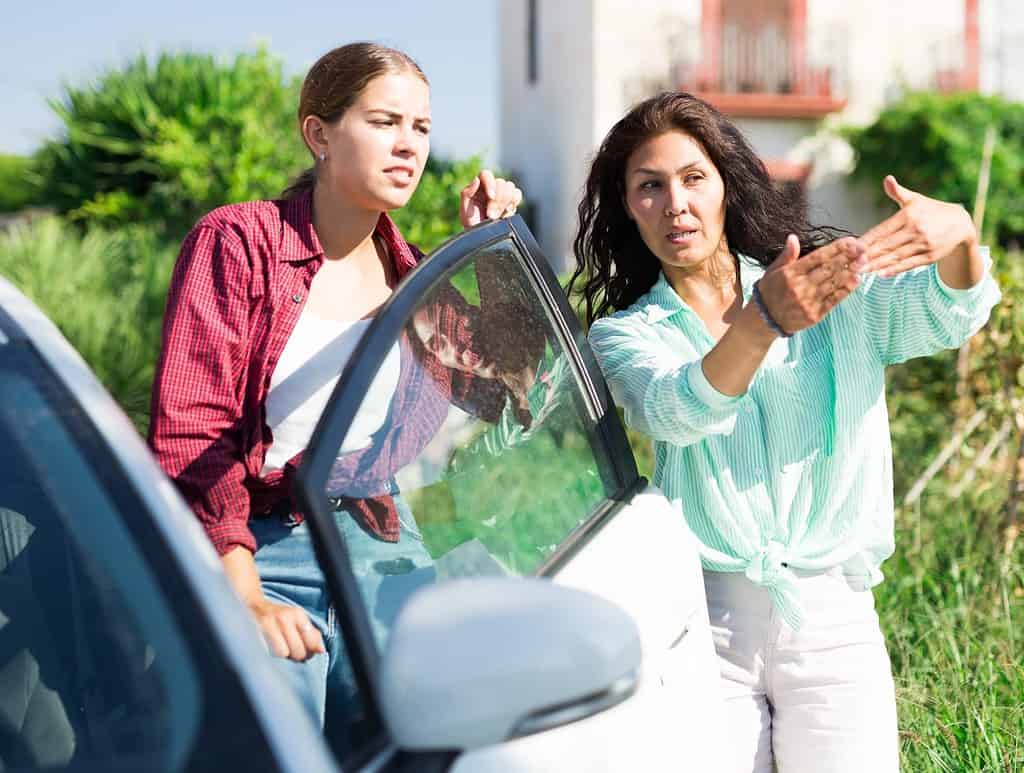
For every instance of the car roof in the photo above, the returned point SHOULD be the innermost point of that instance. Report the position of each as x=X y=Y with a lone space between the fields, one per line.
x=22 y=320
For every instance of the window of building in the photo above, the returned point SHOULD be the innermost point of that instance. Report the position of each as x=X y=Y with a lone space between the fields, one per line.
x=532 y=44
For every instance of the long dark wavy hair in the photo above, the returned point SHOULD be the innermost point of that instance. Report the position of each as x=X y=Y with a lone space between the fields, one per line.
x=614 y=266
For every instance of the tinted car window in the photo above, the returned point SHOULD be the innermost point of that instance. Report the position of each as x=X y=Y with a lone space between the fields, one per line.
x=473 y=450
x=96 y=670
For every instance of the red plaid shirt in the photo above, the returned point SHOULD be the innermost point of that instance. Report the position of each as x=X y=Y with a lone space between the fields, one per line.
x=238 y=288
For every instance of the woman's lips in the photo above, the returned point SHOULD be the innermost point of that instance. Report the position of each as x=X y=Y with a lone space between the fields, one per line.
x=681 y=237
x=400 y=175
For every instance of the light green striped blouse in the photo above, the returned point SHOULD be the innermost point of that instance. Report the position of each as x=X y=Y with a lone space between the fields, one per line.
x=798 y=470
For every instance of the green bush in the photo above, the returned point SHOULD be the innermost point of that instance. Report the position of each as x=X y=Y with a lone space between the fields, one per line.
x=105 y=291
x=17 y=191
x=432 y=215
x=933 y=143
x=165 y=142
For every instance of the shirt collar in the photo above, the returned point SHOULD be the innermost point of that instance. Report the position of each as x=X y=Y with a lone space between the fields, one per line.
x=300 y=242
x=662 y=302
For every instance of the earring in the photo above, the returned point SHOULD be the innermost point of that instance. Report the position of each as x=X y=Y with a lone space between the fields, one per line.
x=323 y=155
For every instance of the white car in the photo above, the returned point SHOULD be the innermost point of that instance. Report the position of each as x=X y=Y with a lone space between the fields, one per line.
x=563 y=627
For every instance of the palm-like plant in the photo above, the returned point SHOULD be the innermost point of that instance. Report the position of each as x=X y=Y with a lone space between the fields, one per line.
x=166 y=141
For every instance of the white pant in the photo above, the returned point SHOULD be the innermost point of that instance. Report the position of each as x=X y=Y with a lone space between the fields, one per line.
x=817 y=700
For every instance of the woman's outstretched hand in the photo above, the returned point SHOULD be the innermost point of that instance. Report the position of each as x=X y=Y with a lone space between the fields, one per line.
x=488 y=198
x=924 y=231
x=799 y=292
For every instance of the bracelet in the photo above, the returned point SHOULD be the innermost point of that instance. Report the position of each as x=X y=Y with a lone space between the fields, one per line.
x=774 y=326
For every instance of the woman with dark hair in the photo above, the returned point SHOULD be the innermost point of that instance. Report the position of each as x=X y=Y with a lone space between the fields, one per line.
x=751 y=347
x=266 y=304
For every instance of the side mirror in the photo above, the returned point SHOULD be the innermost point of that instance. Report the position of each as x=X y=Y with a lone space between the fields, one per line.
x=475 y=662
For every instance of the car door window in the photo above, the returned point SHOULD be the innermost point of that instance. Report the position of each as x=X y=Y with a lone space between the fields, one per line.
x=465 y=438
x=97 y=671
x=472 y=446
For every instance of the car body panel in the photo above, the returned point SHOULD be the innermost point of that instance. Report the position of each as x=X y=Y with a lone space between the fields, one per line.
x=645 y=560
x=295 y=741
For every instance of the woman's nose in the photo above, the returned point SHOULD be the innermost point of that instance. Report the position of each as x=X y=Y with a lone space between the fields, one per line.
x=676 y=202
x=405 y=142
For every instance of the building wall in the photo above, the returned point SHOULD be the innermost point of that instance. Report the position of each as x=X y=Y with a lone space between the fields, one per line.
x=547 y=128
x=1002 y=47
x=635 y=45
x=598 y=57
x=889 y=43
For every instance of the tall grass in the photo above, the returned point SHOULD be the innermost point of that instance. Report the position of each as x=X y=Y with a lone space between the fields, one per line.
x=105 y=290
x=951 y=608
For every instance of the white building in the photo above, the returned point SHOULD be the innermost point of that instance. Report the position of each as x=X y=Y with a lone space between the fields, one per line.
x=784 y=70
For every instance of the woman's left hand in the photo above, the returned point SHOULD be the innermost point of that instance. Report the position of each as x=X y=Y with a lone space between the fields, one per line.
x=924 y=231
x=488 y=198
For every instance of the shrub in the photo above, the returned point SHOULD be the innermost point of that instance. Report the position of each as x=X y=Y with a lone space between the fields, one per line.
x=432 y=215
x=16 y=188
x=164 y=142
x=933 y=144
x=105 y=291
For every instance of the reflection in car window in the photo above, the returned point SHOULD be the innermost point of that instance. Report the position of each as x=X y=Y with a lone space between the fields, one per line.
x=89 y=672
x=488 y=458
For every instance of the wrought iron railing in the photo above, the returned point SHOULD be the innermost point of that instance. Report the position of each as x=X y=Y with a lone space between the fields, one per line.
x=762 y=59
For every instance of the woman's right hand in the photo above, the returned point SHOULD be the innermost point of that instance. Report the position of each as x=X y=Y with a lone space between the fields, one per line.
x=799 y=292
x=287 y=630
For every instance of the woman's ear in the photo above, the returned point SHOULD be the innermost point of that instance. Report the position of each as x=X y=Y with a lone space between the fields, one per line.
x=314 y=135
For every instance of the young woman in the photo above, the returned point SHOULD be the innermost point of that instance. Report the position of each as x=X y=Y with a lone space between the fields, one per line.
x=751 y=348
x=266 y=304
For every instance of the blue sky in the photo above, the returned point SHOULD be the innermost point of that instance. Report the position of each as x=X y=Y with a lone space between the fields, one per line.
x=50 y=42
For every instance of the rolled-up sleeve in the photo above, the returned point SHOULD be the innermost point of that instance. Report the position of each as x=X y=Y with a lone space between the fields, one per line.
x=664 y=394
x=195 y=427
x=916 y=314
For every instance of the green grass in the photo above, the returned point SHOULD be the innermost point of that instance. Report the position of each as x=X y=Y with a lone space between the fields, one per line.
x=952 y=609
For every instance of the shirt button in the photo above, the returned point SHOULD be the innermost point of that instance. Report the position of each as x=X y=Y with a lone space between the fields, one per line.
x=297 y=297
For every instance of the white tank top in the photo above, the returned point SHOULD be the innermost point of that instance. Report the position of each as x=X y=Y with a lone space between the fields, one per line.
x=304 y=378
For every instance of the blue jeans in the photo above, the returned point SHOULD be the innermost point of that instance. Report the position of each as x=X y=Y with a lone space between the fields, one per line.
x=387 y=573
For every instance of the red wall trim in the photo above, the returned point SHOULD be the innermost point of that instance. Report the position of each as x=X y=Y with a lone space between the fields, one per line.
x=710 y=44
x=972 y=54
x=798 y=43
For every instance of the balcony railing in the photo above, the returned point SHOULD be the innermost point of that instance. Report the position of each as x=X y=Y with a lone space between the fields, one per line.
x=948 y=69
x=762 y=71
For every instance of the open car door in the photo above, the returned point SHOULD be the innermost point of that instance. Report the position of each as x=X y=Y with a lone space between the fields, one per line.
x=472 y=436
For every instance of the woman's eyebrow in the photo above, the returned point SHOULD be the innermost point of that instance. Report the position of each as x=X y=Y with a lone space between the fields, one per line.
x=396 y=115
x=656 y=172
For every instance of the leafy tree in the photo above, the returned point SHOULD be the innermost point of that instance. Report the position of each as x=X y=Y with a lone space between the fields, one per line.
x=166 y=141
x=933 y=143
